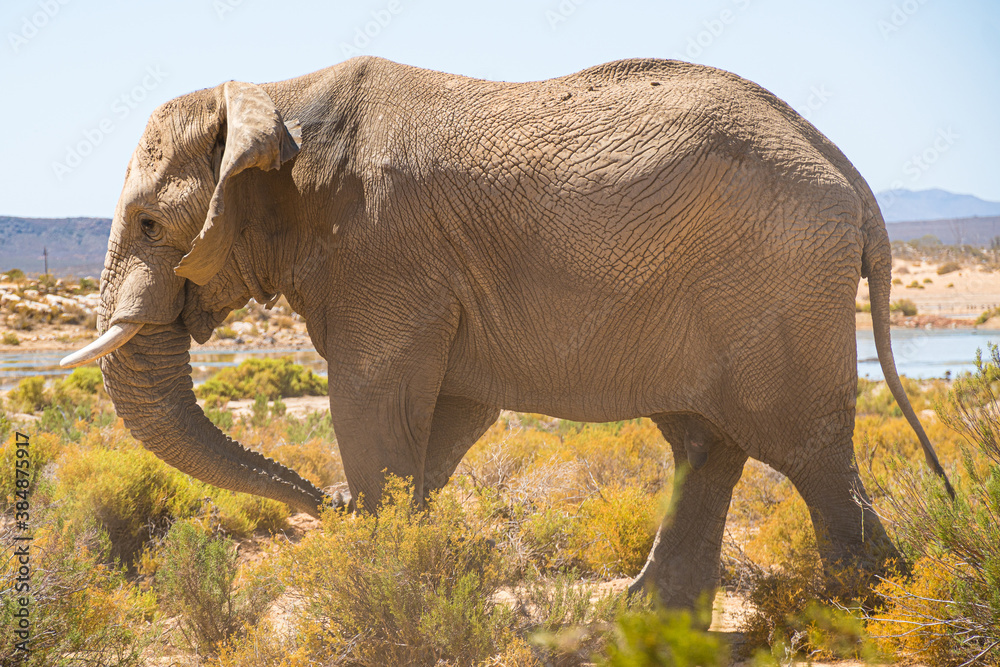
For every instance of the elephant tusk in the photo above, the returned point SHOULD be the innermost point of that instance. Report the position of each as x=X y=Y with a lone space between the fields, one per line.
x=113 y=338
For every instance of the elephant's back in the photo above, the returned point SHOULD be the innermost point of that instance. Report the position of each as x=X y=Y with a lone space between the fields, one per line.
x=619 y=166
x=605 y=172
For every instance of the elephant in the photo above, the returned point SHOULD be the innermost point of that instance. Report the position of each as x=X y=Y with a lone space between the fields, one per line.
x=644 y=238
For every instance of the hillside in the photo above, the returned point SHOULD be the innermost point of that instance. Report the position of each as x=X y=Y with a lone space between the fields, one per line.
x=933 y=204
x=951 y=231
x=76 y=245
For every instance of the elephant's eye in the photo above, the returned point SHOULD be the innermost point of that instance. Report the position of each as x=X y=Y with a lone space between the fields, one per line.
x=150 y=229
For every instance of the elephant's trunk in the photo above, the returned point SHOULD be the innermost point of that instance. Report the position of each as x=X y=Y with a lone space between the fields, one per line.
x=149 y=380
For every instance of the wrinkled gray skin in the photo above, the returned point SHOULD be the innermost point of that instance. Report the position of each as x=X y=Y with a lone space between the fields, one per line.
x=643 y=238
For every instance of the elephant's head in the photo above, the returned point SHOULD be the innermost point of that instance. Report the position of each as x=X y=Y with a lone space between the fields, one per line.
x=169 y=274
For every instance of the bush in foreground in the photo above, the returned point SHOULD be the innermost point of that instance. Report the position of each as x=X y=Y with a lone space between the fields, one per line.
x=406 y=587
x=83 y=610
x=136 y=497
x=197 y=583
x=660 y=637
x=948 y=610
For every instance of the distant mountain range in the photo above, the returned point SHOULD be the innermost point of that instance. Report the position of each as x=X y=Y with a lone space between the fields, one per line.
x=910 y=205
x=954 y=231
x=76 y=246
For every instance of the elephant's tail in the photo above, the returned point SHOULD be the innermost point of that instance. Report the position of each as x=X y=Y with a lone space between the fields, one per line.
x=876 y=264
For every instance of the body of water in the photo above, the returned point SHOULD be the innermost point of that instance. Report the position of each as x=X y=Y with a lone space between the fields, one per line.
x=204 y=363
x=926 y=353
x=919 y=353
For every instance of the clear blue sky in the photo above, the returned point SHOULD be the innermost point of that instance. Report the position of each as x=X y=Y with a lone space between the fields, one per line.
x=909 y=89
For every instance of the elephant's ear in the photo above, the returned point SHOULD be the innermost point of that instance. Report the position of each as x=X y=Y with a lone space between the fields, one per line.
x=256 y=136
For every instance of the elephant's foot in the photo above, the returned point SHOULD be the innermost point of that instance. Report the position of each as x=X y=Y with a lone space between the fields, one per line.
x=852 y=567
x=680 y=583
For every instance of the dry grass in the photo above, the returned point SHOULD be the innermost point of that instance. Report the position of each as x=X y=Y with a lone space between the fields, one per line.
x=498 y=571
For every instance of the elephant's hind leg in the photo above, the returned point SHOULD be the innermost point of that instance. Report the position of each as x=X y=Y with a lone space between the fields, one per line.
x=684 y=562
x=458 y=423
x=849 y=534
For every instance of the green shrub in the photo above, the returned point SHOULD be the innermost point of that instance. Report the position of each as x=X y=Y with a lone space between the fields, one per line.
x=948 y=267
x=865 y=307
x=406 y=587
x=87 y=379
x=236 y=315
x=793 y=611
x=241 y=514
x=220 y=417
x=987 y=315
x=197 y=582
x=550 y=535
x=875 y=398
x=225 y=333
x=567 y=625
x=946 y=611
x=15 y=275
x=316 y=460
x=914 y=285
x=663 y=637
x=315 y=425
x=63 y=420
x=10 y=338
x=77 y=390
x=135 y=497
x=44 y=448
x=83 y=611
x=903 y=306
x=261 y=645
x=271 y=378
x=30 y=394
x=130 y=493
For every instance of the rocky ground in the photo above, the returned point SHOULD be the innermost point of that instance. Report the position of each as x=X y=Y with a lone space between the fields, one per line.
x=61 y=314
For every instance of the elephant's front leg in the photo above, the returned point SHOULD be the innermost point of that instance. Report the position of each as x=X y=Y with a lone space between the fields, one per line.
x=684 y=562
x=382 y=400
x=384 y=433
x=458 y=423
